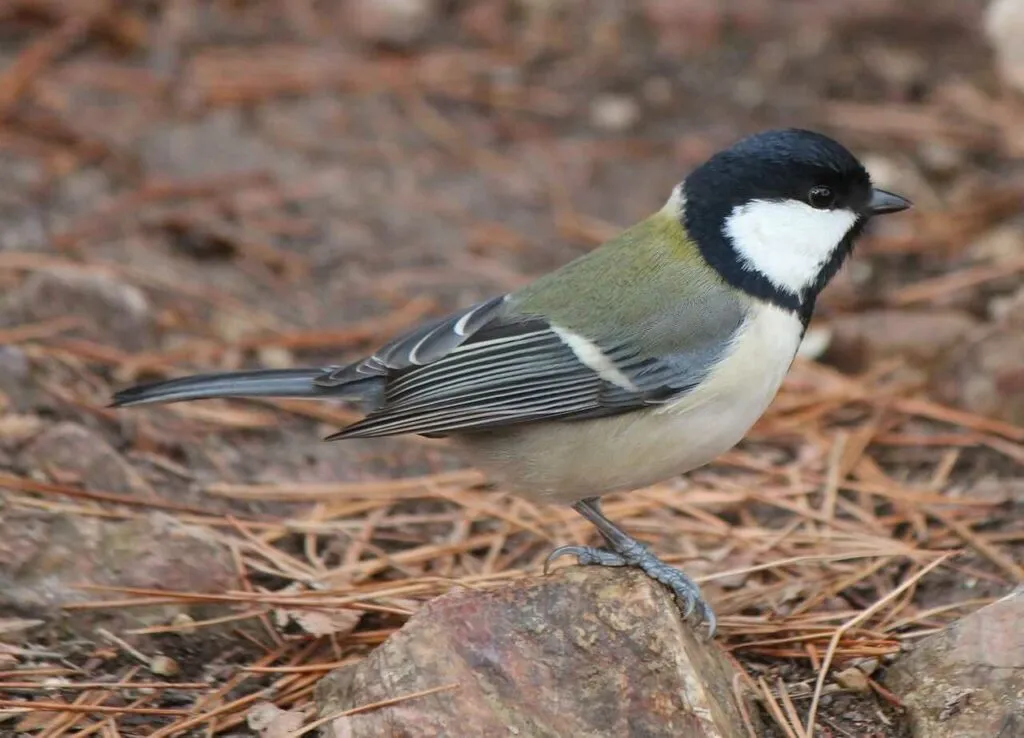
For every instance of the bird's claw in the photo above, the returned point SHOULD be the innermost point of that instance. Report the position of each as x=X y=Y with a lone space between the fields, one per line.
x=586 y=556
x=686 y=591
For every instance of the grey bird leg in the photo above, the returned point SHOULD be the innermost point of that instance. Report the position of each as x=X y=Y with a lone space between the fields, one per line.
x=624 y=550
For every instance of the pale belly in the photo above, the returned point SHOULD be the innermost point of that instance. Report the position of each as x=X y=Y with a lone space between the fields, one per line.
x=564 y=462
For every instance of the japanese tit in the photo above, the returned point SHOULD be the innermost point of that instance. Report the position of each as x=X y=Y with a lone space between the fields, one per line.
x=641 y=360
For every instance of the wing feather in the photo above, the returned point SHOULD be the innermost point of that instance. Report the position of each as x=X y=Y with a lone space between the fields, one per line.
x=531 y=352
x=419 y=347
x=484 y=368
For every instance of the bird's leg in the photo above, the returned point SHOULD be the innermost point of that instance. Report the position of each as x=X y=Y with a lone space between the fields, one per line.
x=624 y=550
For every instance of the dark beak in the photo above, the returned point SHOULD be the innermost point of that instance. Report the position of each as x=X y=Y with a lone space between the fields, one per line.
x=883 y=202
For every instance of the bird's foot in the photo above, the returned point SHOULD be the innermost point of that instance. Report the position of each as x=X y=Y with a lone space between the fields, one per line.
x=635 y=554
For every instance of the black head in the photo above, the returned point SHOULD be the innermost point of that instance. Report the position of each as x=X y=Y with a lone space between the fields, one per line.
x=778 y=212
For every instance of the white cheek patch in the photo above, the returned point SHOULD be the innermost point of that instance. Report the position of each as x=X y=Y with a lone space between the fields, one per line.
x=786 y=240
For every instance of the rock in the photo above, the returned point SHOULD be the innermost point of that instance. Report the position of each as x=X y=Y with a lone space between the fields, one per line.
x=118 y=309
x=44 y=557
x=986 y=375
x=585 y=652
x=392 y=22
x=1004 y=26
x=968 y=680
x=72 y=453
x=860 y=339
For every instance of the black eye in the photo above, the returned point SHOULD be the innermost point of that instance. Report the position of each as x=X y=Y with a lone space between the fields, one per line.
x=821 y=197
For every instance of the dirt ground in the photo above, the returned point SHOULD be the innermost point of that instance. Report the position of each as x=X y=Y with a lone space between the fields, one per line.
x=208 y=185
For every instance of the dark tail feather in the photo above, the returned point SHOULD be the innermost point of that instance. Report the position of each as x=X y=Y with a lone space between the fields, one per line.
x=262 y=383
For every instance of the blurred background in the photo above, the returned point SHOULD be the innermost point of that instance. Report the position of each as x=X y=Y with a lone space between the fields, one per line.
x=195 y=184
x=326 y=161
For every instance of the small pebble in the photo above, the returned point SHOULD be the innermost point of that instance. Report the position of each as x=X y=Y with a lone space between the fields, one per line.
x=940 y=157
x=884 y=171
x=395 y=22
x=867 y=665
x=815 y=343
x=614 y=112
x=184 y=621
x=164 y=666
x=276 y=357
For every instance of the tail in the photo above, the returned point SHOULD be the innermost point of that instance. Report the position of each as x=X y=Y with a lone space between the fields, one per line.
x=262 y=383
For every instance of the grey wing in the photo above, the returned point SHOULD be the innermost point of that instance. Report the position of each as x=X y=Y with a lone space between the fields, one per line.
x=423 y=345
x=484 y=369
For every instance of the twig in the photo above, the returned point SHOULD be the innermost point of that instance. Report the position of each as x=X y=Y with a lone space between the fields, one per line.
x=105 y=685
x=86 y=709
x=1006 y=564
x=39 y=55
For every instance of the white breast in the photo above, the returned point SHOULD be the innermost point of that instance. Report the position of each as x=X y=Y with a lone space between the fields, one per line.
x=563 y=462
x=715 y=416
x=754 y=367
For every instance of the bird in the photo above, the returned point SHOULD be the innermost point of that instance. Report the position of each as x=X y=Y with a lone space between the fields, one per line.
x=641 y=360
